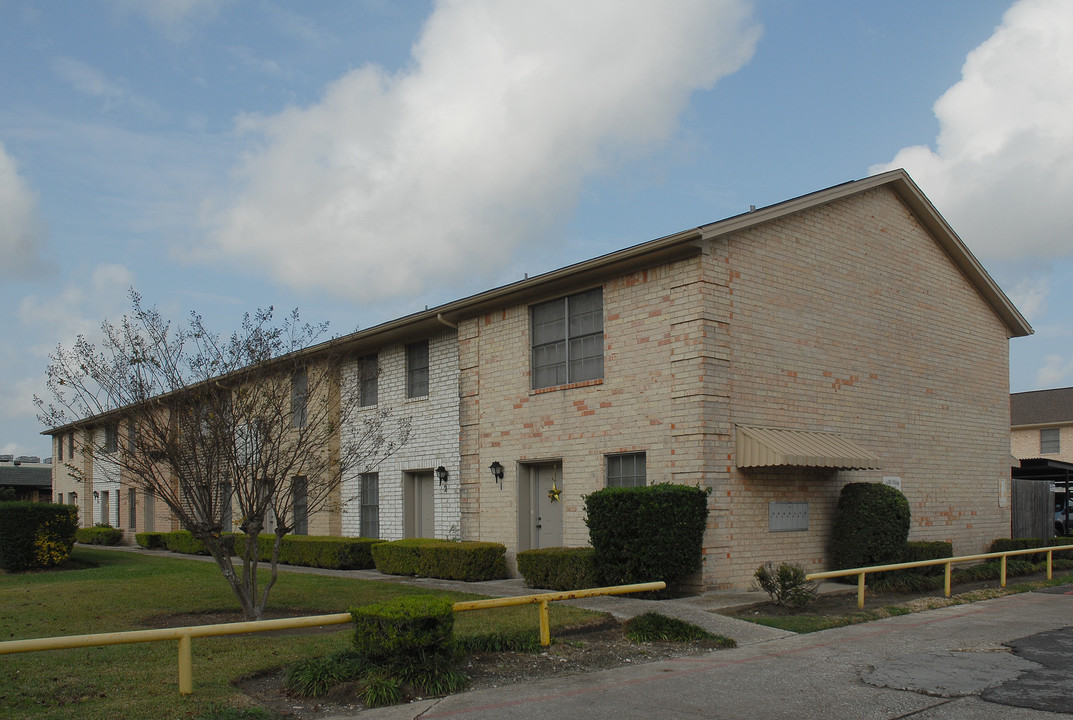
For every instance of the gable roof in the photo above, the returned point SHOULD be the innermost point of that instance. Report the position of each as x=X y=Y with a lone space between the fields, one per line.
x=662 y=250
x=1041 y=407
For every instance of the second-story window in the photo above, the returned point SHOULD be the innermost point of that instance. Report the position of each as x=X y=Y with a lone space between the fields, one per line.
x=568 y=340
x=1049 y=441
x=299 y=398
x=417 y=369
x=368 y=372
x=111 y=438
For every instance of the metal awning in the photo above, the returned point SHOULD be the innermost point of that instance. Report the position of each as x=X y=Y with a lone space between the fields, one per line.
x=776 y=447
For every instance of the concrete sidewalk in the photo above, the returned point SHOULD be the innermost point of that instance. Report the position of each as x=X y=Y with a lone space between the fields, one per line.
x=953 y=663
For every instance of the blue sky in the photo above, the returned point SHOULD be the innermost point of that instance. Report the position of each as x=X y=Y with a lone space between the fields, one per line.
x=361 y=160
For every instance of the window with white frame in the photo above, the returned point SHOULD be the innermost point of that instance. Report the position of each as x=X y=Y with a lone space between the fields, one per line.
x=368 y=376
x=1049 y=441
x=626 y=470
x=417 y=369
x=370 y=505
x=568 y=340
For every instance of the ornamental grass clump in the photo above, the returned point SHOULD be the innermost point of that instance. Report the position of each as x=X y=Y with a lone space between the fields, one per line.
x=785 y=584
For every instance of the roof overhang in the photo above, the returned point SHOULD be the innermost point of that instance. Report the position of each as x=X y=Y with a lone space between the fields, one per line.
x=759 y=447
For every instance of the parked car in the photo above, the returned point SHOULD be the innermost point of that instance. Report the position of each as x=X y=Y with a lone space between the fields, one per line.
x=1063 y=517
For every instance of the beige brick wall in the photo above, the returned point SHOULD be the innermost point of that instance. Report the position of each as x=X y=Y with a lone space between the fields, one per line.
x=849 y=318
x=845 y=318
x=1024 y=443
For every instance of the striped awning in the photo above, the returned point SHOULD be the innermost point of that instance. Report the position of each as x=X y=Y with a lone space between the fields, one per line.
x=776 y=447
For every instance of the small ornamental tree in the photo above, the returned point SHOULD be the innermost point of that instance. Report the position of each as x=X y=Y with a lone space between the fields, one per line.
x=249 y=426
x=871 y=526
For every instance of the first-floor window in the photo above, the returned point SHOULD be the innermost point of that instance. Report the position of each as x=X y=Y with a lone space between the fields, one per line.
x=300 y=506
x=132 y=509
x=370 y=505
x=626 y=470
x=149 y=503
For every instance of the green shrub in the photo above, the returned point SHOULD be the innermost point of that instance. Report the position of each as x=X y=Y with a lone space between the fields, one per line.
x=99 y=535
x=871 y=526
x=393 y=632
x=521 y=640
x=1008 y=544
x=654 y=627
x=410 y=642
x=151 y=540
x=316 y=676
x=446 y=559
x=336 y=553
x=557 y=568
x=36 y=535
x=644 y=534
x=183 y=541
x=785 y=584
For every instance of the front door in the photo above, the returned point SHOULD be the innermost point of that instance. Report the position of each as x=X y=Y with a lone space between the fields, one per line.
x=420 y=520
x=545 y=507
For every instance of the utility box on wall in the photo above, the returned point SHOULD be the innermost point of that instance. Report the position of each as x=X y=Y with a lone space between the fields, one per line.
x=787 y=516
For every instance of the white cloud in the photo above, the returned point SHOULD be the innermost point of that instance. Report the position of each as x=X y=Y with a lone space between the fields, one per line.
x=442 y=171
x=79 y=309
x=1057 y=371
x=22 y=230
x=1030 y=296
x=173 y=17
x=92 y=82
x=1002 y=167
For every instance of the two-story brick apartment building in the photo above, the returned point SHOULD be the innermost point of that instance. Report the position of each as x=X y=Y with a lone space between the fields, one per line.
x=847 y=335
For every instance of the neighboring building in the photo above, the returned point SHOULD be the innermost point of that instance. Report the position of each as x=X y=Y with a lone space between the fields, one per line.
x=25 y=478
x=1041 y=424
x=770 y=358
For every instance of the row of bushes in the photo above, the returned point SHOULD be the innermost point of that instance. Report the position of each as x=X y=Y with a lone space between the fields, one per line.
x=469 y=561
x=99 y=535
x=36 y=535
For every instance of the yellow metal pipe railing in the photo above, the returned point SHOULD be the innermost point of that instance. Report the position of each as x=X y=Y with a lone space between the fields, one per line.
x=543 y=599
x=948 y=562
x=185 y=634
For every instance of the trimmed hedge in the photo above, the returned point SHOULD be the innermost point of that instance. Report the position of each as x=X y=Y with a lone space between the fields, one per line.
x=558 y=568
x=151 y=540
x=871 y=526
x=445 y=559
x=336 y=553
x=928 y=550
x=36 y=535
x=644 y=534
x=1007 y=544
x=99 y=535
x=395 y=632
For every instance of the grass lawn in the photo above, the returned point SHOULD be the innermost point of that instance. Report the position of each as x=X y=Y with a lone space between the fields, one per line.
x=118 y=591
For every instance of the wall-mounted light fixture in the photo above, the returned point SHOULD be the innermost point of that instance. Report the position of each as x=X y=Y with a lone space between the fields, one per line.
x=96 y=495
x=442 y=475
x=497 y=471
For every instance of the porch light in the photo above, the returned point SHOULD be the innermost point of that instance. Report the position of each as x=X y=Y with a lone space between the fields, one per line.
x=442 y=475
x=96 y=494
x=497 y=471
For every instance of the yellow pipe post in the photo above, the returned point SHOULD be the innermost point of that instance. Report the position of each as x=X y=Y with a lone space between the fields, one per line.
x=860 y=591
x=1003 y=571
x=1050 y=565
x=946 y=581
x=186 y=666
x=545 y=625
